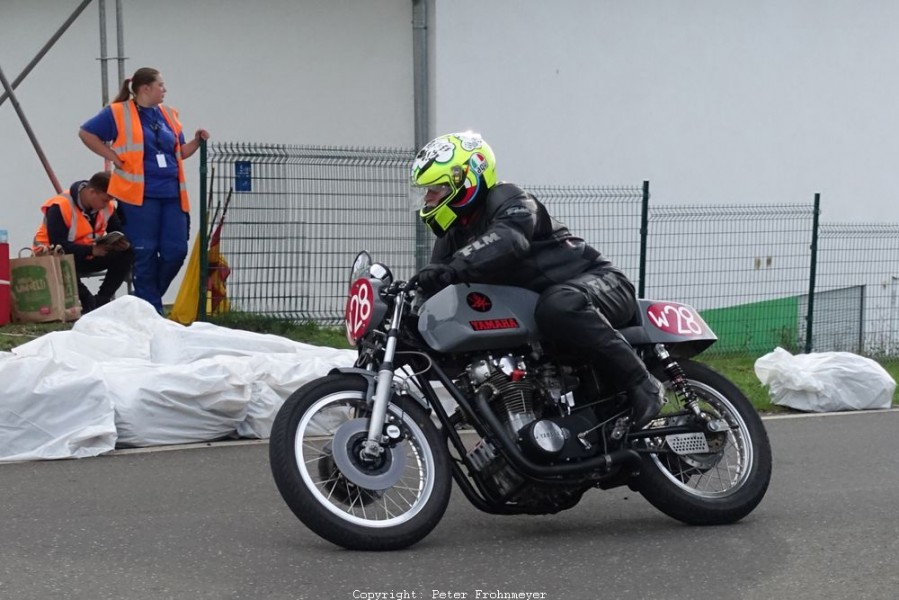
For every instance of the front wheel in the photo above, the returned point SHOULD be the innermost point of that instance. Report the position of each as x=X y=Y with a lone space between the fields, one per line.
x=716 y=480
x=359 y=503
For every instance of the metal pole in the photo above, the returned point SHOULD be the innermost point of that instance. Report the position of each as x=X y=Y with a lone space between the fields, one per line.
x=204 y=241
x=420 y=85
x=810 y=310
x=891 y=348
x=420 y=69
x=861 y=322
x=31 y=136
x=104 y=55
x=120 y=40
x=644 y=233
x=45 y=49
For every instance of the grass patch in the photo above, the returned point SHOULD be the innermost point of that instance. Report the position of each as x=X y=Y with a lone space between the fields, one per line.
x=13 y=334
x=16 y=334
x=740 y=370
x=308 y=332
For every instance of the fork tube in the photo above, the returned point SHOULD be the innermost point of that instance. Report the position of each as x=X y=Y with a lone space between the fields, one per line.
x=384 y=386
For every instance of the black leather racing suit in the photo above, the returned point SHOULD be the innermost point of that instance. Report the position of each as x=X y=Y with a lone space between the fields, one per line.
x=512 y=240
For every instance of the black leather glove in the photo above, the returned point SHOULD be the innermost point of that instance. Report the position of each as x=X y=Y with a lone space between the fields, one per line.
x=435 y=277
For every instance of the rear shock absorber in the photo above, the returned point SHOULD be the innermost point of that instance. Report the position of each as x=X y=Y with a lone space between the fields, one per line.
x=678 y=379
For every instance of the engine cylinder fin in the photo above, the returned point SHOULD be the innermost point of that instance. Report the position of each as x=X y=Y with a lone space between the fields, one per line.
x=513 y=400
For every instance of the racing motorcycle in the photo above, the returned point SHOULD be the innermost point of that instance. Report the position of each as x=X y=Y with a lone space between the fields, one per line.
x=459 y=386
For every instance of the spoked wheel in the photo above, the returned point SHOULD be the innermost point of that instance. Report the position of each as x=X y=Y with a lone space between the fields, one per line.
x=363 y=503
x=711 y=478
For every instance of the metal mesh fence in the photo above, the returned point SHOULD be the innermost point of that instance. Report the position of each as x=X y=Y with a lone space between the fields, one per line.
x=608 y=218
x=742 y=267
x=298 y=215
x=838 y=320
x=864 y=255
x=724 y=256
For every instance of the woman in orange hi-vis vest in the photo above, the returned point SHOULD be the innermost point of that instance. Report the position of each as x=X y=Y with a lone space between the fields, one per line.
x=143 y=139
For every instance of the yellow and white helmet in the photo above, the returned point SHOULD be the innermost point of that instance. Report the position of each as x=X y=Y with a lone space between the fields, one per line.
x=450 y=175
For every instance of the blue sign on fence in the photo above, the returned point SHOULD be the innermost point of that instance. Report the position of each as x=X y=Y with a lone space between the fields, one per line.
x=243 y=176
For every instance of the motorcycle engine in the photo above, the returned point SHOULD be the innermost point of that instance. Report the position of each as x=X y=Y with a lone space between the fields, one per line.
x=535 y=406
x=515 y=394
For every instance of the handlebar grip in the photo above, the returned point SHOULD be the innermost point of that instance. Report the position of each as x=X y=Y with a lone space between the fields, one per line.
x=411 y=284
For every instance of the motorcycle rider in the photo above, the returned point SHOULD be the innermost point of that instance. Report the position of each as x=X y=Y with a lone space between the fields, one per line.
x=495 y=232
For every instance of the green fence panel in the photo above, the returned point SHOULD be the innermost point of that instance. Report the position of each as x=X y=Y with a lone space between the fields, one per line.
x=755 y=328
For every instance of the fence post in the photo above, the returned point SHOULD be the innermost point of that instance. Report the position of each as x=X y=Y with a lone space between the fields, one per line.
x=644 y=232
x=422 y=250
x=204 y=243
x=813 y=267
x=861 y=320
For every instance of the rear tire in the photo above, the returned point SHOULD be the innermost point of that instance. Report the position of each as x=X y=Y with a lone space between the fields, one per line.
x=714 y=488
x=388 y=504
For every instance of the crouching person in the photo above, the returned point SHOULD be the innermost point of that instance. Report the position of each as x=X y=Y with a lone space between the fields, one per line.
x=82 y=222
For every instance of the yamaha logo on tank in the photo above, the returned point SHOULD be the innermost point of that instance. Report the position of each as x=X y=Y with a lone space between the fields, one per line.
x=479 y=302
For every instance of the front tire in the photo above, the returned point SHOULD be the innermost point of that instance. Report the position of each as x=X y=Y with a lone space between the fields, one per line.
x=719 y=486
x=386 y=504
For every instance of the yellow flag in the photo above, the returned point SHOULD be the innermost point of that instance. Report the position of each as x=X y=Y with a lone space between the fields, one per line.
x=184 y=310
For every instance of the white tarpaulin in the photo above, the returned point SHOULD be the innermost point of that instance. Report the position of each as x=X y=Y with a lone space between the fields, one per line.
x=825 y=381
x=125 y=376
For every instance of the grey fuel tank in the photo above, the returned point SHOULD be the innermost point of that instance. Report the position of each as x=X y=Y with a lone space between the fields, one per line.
x=471 y=317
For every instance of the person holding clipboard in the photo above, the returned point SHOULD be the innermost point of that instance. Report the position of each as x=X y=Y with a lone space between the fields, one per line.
x=83 y=222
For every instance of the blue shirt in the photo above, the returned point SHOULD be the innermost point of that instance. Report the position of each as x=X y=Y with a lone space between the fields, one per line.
x=159 y=182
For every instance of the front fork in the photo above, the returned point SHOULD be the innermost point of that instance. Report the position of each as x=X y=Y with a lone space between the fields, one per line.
x=371 y=446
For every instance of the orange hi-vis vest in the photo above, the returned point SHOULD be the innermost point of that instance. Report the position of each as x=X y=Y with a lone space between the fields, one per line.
x=127 y=183
x=80 y=230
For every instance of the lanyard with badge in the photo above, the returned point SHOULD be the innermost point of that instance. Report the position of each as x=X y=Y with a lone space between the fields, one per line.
x=155 y=126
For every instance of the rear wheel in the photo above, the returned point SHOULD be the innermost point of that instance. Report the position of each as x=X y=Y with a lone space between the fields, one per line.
x=716 y=480
x=315 y=453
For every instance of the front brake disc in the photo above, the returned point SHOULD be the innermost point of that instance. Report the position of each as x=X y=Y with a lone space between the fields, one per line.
x=380 y=473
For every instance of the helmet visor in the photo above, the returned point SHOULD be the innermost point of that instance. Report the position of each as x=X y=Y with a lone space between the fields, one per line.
x=426 y=198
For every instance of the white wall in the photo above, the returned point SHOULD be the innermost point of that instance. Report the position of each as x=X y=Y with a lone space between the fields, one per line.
x=713 y=101
x=336 y=72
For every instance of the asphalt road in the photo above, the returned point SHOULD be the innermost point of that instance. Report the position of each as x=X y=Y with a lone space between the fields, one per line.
x=209 y=523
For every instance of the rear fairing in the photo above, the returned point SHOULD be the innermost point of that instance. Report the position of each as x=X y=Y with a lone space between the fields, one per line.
x=678 y=326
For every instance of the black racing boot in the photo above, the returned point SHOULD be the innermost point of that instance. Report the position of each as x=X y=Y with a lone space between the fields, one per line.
x=101 y=300
x=86 y=298
x=646 y=397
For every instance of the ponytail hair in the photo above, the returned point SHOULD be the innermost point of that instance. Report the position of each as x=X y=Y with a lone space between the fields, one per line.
x=124 y=91
x=143 y=76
